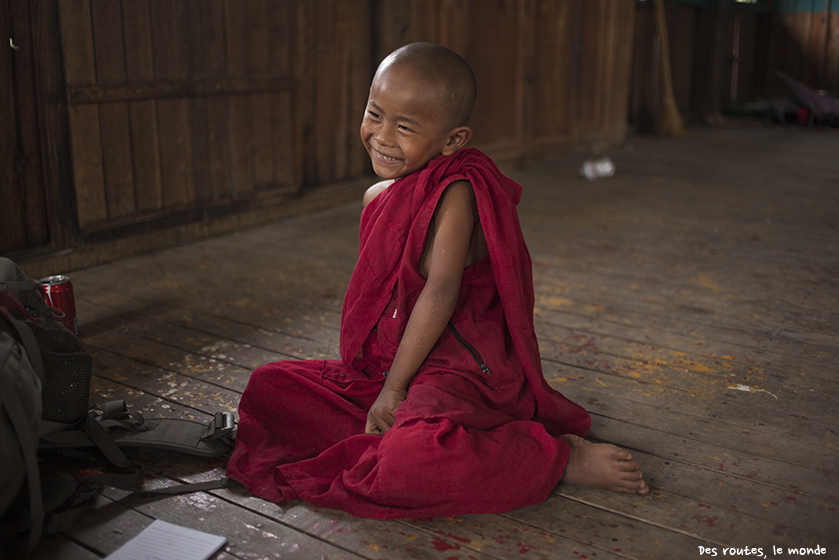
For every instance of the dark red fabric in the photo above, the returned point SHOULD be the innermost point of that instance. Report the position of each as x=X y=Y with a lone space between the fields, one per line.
x=464 y=441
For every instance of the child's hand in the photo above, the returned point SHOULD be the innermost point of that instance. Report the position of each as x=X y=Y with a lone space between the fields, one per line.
x=382 y=414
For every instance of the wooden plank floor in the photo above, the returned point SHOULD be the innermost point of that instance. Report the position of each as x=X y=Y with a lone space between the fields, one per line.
x=689 y=302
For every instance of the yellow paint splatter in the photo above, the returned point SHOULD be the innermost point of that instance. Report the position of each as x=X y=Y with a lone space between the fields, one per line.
x=706 y=281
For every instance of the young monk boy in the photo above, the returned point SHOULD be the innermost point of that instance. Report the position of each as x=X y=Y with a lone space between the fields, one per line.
x=438 y=406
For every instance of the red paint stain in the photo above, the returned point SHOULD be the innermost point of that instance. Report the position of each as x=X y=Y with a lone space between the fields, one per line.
x=449 y=535
x=706 y=520
x=733 y=507
x=773 y=503
x=443 y=546
x=704 y=506
x=790 y=498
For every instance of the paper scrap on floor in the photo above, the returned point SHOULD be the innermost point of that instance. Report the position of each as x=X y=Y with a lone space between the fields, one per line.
x=165 y=541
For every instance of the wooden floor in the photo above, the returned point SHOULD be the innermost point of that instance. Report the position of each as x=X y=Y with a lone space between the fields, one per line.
x=689 y=303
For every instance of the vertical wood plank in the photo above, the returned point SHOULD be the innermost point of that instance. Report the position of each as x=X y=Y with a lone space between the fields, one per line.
x=282 y=139
x=551 y=60
x=209 y=61
x=324 y=90
x=240 y=115
x=832 y=56
x=627 y=38
x=258 y=36
x=177 y=161
x=145 y=148
x=26 y=152
x=392 y=26
x=236 y=32
x=682 y=39
x=139 y=67
x=588 y=100
x=137 y=34
x=170 y=39
x=77 y=42
x=343 y=67
x=242 y=145
x=87 y=164
x=303 y=106
x=13 y=232
x=218 y=149
x=748 y=67
x=258 y=65
x=213 y=53
x=53 y=121
x=171 y=51
x=263 y=150
x=492 y=54
x=106 y=17
x=817 y=47
x=114 y=121
x=361 y=45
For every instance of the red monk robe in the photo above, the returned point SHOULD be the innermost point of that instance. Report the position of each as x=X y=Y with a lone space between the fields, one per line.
x=478 y=432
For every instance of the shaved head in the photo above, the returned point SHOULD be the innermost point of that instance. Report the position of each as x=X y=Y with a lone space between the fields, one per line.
x=442 y=70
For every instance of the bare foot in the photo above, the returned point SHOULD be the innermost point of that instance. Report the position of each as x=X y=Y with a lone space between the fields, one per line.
x=603 y=465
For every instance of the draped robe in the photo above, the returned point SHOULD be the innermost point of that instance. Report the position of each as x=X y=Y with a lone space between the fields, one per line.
x=480 y=429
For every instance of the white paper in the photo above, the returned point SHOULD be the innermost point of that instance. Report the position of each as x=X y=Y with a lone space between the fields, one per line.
x=164 y=541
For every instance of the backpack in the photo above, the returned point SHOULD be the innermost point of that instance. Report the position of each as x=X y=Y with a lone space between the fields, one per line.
x=20 y=416
x=44 y=390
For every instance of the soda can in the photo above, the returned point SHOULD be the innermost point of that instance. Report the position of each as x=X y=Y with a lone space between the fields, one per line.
x=60 y=295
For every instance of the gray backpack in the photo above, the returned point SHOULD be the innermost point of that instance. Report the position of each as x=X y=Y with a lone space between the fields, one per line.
x=44 y=390
x=20 y=417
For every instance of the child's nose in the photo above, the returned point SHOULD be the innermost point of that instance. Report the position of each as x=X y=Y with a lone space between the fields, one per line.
x=384 y=135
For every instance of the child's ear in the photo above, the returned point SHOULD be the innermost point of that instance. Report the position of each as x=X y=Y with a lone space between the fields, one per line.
x=458 y=138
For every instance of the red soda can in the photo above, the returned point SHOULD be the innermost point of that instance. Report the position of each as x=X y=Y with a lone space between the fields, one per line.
x=60 y=295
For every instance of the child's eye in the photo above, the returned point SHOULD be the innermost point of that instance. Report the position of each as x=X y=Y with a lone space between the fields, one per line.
x=405 y=128
x=373 y=114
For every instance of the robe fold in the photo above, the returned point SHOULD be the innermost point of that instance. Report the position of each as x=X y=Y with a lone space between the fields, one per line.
x=480 y=429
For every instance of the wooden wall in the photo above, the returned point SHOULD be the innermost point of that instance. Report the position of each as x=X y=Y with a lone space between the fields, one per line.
x=804 y=42
x=171 y=112
x=723 y=53
x=551 y=73
x=36 y=191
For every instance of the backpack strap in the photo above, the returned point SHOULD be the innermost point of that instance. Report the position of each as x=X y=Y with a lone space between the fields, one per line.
x=132 y=480
x=130 y=429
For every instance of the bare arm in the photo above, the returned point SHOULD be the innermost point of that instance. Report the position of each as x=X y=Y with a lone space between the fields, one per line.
x=446 y=254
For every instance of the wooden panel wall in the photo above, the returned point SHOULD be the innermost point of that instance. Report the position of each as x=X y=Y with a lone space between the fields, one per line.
x=37 y=203
x=23 y=215
x=724 y=56
x=551 y=73
x=176 y=111
x=805 y=42
x=180 y=109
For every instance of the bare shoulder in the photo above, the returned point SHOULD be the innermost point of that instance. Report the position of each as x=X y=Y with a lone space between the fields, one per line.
x=459 y=197
x=375 y=191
